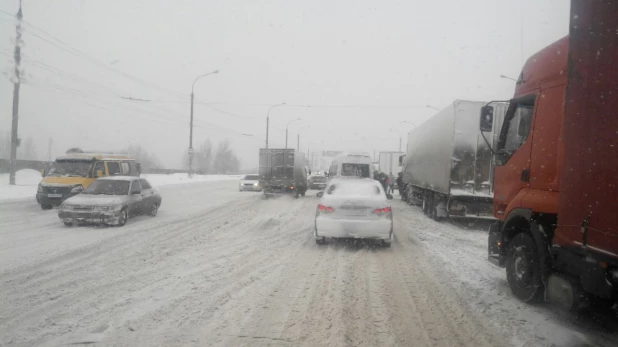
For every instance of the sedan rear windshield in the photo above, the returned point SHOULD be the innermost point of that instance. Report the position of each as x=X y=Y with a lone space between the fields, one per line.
x=351 y=189
x=252 y=178
x=108 y=187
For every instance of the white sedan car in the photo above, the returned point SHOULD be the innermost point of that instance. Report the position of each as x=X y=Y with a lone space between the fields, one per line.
x=354 y=208
x=250 y=183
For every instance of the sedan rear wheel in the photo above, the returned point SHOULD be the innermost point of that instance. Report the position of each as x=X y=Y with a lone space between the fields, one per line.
x=68 y=222
x=122 y=219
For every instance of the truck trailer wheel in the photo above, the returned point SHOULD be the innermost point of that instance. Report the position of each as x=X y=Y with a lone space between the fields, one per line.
x=523 y=269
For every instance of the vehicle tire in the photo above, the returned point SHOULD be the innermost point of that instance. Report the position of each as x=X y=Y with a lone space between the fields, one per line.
x=523 y=269
x=124 y=216
x=45 y=207
x=153 y=210
x=296 y=194
x=68 y=223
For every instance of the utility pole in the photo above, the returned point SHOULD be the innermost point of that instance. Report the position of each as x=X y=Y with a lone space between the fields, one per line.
x=268 y=122
x=286 y=131
x=16 y=85
x=190 y=151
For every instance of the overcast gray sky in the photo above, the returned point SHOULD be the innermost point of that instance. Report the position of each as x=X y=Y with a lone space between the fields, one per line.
x=363 y=67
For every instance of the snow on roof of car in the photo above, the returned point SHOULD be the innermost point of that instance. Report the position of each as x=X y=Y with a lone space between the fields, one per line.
x=120 y=178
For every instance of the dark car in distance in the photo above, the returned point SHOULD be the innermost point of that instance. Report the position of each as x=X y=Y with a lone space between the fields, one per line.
x=317 y=182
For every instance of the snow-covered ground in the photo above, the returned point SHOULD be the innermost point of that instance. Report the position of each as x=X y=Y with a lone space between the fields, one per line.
x=220 y=267
x=27 y=180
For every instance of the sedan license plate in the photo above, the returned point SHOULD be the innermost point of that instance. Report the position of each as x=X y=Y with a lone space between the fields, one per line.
x=356 y=212
x=54 y=195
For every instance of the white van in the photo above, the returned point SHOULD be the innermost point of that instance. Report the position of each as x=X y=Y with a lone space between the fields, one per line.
x=351 y=165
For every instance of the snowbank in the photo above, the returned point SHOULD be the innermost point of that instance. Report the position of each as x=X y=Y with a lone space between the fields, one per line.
x=27 y=181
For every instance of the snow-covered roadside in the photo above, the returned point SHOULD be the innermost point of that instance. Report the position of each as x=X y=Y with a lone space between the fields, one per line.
x=462 y=256
x=27 y=181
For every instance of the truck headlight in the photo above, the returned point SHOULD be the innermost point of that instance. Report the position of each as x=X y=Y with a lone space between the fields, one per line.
x=39 y=189
x=77 y=189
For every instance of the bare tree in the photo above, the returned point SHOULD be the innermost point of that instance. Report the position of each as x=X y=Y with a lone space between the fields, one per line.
x=27 y=150
x=148 y=161
x=203 y=158
x=225 y=160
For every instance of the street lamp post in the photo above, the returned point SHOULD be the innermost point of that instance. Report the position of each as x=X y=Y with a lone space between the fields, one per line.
x=268 y=120
x=298 y=137
x=286 y=131
x=191 y=122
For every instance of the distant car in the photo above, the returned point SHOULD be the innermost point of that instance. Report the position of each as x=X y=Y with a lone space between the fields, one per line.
x=356 y=208
x=250 y=183
x=317 y=182
x=111 y=200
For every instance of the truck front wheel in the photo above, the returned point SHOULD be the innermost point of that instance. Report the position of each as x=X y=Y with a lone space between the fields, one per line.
x=523 y=269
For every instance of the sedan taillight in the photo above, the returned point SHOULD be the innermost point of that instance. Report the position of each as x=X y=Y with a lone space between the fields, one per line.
x=325 y=209
x=386 y=211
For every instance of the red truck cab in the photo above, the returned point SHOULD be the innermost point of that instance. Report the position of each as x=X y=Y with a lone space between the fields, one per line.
x=556 y=167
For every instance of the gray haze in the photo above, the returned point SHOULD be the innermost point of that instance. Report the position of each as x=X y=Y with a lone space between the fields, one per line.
x=396 y=56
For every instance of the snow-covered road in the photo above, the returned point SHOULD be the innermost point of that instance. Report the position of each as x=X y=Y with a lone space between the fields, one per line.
x=219 y=267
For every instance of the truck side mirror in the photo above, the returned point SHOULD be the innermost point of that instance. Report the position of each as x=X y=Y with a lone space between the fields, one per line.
x=487 y=118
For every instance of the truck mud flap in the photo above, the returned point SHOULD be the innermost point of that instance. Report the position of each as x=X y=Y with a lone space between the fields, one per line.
x=494 y=241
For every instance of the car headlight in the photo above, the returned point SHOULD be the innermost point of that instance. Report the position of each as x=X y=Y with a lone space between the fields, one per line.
x=67 y=207
x=77 y=189
x=255 y=184
x=39 y=189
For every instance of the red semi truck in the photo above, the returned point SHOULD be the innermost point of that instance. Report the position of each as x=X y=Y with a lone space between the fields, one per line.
x=556 y=173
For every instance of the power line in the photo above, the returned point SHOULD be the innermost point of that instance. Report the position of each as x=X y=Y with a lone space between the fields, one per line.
x=139 y=111
x=292 y=105
x=74 y=51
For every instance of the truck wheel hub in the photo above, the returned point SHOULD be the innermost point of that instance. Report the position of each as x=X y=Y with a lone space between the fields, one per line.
x=521 y=268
